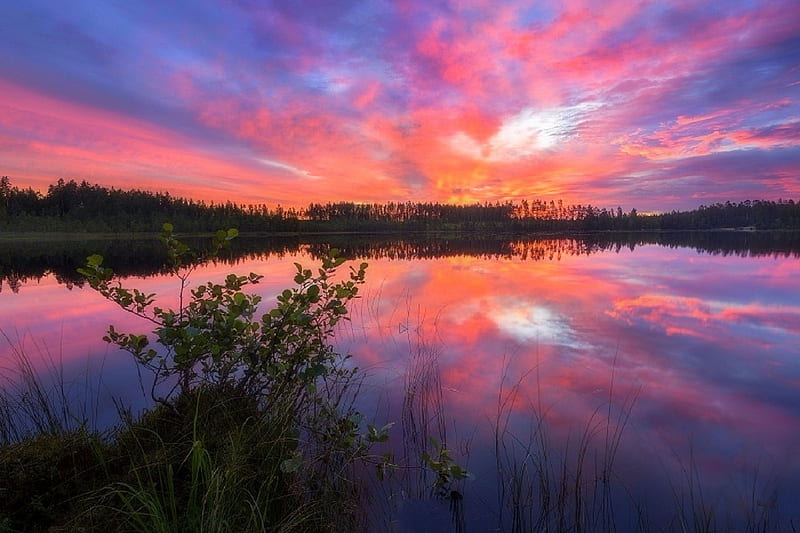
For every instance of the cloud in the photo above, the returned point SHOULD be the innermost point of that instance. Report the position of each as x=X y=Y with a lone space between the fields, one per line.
x=525 y=134
x=606 y=103
x=527 y=322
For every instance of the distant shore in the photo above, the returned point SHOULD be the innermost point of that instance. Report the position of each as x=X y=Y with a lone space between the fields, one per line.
x=22 y=236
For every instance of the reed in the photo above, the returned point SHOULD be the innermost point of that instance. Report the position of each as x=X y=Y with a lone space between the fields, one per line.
x=280 y=445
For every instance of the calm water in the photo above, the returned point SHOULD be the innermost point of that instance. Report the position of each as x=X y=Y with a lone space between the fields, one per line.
x=694 y=356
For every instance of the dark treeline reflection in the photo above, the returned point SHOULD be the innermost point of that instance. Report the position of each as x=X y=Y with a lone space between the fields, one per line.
x=24 y=262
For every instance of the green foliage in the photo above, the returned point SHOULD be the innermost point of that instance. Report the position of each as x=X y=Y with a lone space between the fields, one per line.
x=209 y=462
x=217 y=345
x=445 y=469
x=217 y=338
x=83 y=207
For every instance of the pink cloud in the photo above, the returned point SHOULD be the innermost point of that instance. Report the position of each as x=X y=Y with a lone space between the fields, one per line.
x=475 y=102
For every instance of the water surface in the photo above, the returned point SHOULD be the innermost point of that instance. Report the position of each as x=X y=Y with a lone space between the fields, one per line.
x=691 y=355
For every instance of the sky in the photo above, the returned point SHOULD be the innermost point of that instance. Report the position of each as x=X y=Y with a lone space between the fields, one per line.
x=654 y=105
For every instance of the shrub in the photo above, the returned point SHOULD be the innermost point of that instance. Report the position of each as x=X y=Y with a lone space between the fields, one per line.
x=258 y=416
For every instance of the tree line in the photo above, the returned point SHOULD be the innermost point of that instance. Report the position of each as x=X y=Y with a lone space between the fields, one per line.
x=28 y=261
x=72 y=206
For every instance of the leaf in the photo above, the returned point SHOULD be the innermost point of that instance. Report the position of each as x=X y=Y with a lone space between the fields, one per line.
x=167 y=227
x=313 y=293
x=292 y=464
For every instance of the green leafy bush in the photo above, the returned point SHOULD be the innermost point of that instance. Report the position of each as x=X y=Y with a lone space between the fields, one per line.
x=216 y=337
x=263 y=393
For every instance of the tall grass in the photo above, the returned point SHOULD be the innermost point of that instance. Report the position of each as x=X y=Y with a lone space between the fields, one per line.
x=422 y=411
x=215 y=460
x=39 y=401
x=215 y=466
x=548 y=483
x=48 y=443
x=543 y=487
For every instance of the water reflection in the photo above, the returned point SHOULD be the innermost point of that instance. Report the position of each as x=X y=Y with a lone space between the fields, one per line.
x=542 y=341
x=706 y=345
x=24 y=261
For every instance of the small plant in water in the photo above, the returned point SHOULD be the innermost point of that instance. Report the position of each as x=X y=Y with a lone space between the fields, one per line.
x=446 y=470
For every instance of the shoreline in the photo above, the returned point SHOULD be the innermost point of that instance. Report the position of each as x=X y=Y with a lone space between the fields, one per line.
x=12 y=236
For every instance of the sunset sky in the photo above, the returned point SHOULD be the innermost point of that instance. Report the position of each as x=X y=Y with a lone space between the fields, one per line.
x=645 y=104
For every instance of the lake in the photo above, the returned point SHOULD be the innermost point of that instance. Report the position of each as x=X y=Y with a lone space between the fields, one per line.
x=642 y=380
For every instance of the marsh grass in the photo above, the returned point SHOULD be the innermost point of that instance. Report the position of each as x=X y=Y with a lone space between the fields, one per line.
x=422 y=412
x=214 y=459
x=750 y=501
x=49 y=451
x=578 y=485
x=211 y=464
x=39 y=401
x=548 y=483
x=545 y=487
